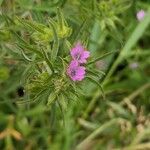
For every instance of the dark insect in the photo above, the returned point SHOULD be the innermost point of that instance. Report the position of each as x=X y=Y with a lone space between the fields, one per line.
x=20 y=91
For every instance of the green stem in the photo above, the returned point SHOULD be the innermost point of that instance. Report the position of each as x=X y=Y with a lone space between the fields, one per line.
x=98 y=131
x=47 y=60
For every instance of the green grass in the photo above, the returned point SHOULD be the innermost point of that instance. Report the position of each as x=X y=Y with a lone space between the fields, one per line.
x=41 y=108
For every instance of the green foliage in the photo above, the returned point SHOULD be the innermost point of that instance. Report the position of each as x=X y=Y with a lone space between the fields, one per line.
x=41 y=107
x=4 y=73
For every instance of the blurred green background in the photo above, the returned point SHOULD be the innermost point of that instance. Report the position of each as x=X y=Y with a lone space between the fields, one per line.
x=122 y=120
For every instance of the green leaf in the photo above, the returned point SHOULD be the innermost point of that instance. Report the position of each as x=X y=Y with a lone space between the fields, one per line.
x=55 y=43
x=1 y=2
x=19 y=38
x=102 y=25
x=30 y=48
x=80 y=31
x=62 y=111
x=95 y=72
x=4 y=73
x=99 y=85
x=25 y=56
x=101 y=57
x=62 y=102
x=118 y=108
x=99 y=131
x=110 y=23
x=7 y=19
x=47 y=60
x=33 y=25
x=24 y=45
x=35 y=111
x=60 y=19
x=52 y=97
x=63 y=67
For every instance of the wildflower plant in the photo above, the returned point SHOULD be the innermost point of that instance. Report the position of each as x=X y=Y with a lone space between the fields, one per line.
x=56 y=53
x=56 y=66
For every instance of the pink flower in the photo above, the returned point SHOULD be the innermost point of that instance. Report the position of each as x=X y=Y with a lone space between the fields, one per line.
x=134 y=65
x=75 y=71
x=79 y=54
x=140 y=15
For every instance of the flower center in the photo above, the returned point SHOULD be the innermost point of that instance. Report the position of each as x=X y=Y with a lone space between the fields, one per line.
x=78 y=56
x=73 y=73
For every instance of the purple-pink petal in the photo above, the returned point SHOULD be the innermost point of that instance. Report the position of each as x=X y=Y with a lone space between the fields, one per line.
x=140 y=15
x=76 y=72
x=74 y=63
x=81 y=71
x=86 y=54
x=79 y=54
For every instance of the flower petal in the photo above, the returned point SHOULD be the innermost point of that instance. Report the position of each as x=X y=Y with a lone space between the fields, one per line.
x=73 y=64
x=86 y=54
